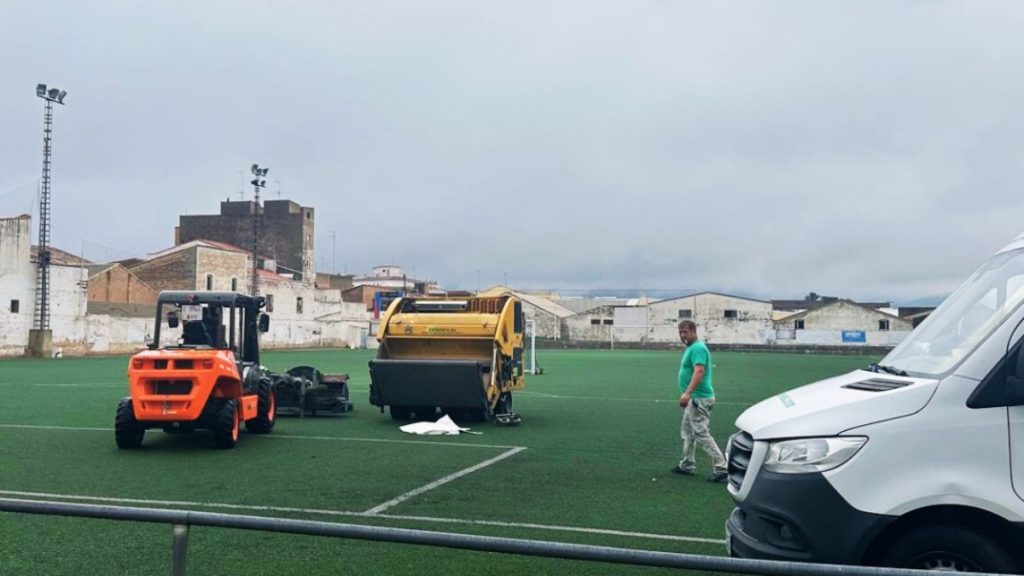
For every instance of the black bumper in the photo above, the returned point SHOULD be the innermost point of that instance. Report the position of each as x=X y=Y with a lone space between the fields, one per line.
x=801 y=517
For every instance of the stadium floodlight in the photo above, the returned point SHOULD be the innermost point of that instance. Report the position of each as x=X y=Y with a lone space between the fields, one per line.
x=51 y=94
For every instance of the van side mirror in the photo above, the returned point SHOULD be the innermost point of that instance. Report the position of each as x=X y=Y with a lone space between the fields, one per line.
x=172 y=319
x=264 y=323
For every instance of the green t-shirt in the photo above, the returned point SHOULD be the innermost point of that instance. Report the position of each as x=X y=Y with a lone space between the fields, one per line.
x=696 y=353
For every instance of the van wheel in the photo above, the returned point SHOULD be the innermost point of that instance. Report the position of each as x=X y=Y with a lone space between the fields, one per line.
x=949 y=548
x=128 y=432
x=225 y=424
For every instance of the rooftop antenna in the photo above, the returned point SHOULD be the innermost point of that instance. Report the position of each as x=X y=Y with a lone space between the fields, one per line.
x=278 y=189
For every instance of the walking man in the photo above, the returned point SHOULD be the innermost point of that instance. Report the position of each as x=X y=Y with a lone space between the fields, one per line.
x=697 y=400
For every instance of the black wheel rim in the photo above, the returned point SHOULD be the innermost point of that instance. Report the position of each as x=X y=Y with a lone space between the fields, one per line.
x=945 y=562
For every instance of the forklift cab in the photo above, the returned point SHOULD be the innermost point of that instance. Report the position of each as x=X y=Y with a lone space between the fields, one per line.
x=217 y=320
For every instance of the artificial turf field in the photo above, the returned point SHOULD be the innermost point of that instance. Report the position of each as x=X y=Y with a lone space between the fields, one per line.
x=600 y=432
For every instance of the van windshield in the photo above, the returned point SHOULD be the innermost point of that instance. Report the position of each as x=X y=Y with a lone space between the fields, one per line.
x=966 y=318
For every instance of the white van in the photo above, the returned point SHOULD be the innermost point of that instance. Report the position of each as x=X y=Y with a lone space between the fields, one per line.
x=916 y=462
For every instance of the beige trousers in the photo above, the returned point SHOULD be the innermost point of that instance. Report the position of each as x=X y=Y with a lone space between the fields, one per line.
x=696 y=430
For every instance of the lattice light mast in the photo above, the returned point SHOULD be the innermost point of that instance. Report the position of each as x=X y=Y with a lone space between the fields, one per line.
x=42 y=311
x=257 y=183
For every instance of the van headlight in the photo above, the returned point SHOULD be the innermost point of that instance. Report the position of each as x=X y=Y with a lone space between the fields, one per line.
x=811 y=454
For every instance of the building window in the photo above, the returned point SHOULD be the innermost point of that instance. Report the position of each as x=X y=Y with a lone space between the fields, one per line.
x=209 y=281
x=595 y=321
x=270 y=302
x=731 y=314
x=298 y=305
x=798 y=324
x=15 y=306
x=883 y=324
x=608 y=321
x=234 y=284
x=685 y=314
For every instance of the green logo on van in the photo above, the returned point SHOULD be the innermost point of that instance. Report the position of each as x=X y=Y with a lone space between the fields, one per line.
x=786 y=400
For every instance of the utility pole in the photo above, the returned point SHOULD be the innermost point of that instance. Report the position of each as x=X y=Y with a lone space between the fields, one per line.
x=257 y=183
x=40 y=339
x=334 y=253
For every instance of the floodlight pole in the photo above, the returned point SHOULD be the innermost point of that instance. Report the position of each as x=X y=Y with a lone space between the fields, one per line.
x=43 y=257
x=257 y=183
x=41 y=338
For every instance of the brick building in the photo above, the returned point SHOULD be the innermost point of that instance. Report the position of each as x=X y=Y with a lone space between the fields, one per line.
x=196 y=265
x=116 y=284
x=286 y=233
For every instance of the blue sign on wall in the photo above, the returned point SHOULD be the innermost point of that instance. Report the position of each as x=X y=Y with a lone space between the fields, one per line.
x=855 y=336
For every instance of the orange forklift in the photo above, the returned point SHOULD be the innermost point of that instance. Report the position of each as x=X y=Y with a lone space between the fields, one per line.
x=209 y=379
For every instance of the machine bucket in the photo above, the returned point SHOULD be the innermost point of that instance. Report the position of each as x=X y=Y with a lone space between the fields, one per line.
x=421 y=382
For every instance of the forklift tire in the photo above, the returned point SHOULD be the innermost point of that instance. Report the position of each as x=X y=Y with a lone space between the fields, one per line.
x=266 y=410
x=400 y=412
x=127 y=430
x=225 y=424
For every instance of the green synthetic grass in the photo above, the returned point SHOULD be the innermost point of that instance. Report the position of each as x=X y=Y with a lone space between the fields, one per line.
x=600 y=428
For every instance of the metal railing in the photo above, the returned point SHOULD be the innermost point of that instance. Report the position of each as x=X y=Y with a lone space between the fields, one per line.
x=181 y=520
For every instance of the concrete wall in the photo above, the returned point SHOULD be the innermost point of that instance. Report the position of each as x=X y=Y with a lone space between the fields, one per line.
x=322 y=319
x=68 y=291
x=592 y=325
x=545 y=324
x=825 y=326
x=17 y=282
x=118 y=284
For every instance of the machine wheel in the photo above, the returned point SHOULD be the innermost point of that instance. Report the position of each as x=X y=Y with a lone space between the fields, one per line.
x=225 y=424
x=400 y=412
x=266 y=410
x=127 y=430
x=475 y=415
x=424 y=413
x=949 y=548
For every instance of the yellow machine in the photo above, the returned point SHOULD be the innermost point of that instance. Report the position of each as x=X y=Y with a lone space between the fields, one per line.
x=462 y=356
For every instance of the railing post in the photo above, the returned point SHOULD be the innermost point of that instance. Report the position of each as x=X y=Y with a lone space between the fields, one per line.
x=179 y=549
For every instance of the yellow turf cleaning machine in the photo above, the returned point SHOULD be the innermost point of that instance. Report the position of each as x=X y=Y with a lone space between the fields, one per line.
x=462 y=356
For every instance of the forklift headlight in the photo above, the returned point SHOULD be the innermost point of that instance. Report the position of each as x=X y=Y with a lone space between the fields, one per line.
x=811 y=454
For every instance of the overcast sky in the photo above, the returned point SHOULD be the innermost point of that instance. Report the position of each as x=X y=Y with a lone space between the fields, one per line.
x=872 y=150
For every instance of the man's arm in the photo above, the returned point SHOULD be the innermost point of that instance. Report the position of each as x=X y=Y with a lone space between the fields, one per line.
x=698 y=374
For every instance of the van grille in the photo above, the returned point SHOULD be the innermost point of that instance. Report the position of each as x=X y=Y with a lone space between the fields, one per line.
x=739 y=458
x=877 y=385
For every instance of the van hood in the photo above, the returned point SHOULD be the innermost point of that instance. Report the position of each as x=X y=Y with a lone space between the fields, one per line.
x=829 y=407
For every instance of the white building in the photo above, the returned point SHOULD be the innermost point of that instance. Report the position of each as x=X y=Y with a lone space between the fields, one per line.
x=546 y=317
x=720 y=319
x=68 y=291
x=393 y=277
x=842 y=323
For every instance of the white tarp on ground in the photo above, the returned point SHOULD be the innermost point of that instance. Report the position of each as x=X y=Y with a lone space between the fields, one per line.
x=443 y=427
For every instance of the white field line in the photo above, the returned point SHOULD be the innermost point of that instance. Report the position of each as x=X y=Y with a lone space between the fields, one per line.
x=284 y=437
x=34 y=496
x=65 y=385
x=442 y=481
x=614 y=399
